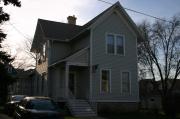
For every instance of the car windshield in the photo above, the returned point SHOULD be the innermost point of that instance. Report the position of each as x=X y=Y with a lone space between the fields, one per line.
x=17 y=98
x=42 y=105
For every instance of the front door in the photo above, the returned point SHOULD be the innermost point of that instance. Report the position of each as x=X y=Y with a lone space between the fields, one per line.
x=72 y=83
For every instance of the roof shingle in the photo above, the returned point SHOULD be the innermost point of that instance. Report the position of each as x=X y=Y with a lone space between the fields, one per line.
x=58 y=30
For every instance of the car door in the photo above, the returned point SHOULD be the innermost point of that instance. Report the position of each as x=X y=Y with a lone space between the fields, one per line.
x=21 y=111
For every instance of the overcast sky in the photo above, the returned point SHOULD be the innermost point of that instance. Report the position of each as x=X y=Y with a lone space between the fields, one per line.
x=24 y=19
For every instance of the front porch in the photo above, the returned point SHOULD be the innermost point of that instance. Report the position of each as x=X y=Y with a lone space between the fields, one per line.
x=70 y=77
x=77 y=90
x=70 y=83
x=77 y=81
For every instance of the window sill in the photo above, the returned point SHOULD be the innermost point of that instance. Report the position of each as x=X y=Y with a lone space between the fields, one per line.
x=115 y=54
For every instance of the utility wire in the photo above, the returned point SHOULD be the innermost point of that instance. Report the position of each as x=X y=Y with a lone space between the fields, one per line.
x=22 y=34
x=138 y=12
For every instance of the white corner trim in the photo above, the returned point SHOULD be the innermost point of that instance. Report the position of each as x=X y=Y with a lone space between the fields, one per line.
x=90 y=63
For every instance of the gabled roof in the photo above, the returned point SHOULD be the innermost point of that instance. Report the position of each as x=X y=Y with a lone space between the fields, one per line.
x=98 y=16
x=58 y=30
x=117 y=6
x=64 y=31
x=67 y=32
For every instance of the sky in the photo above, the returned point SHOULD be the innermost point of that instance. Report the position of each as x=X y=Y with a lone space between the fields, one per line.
x=23 y=20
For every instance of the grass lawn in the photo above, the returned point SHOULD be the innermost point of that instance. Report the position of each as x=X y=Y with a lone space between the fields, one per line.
x=69 y=117
x=1 y=109
x=133 y=115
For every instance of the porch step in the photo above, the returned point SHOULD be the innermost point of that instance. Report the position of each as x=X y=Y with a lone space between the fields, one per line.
x=80 y=108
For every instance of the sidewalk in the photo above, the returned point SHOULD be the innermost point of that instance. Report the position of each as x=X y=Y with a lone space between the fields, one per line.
x=3 y=116
x=84 y=118
x=92 y=118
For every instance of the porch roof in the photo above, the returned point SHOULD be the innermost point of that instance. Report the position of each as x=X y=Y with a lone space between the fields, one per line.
x=80 y=57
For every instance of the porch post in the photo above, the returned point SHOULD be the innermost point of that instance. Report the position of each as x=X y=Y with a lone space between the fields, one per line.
x=67 y=80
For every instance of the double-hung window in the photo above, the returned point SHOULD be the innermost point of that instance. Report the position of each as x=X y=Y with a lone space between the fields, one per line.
x=105 y=81
x=110 y=44
x=115 y=44
x=126 y=87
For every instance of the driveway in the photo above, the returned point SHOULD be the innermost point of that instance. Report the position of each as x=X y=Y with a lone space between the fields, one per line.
x=3 y=116
x=92 y=118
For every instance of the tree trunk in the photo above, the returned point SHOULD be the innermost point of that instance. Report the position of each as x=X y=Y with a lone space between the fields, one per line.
x=168 y=106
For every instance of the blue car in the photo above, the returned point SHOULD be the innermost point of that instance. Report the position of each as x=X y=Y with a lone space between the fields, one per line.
x=37 y=108
x=11 y=104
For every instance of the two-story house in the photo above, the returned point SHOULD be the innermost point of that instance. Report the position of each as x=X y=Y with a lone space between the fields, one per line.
x=95 y=63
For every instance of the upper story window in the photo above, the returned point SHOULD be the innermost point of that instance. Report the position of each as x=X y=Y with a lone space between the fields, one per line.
x=110 y=44
x=44 y=49
x=115 y=44
x=119 y=45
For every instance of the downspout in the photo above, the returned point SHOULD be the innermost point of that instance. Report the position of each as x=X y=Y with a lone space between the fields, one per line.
x=90 y=65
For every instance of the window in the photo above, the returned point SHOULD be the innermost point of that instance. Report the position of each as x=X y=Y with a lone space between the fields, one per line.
x=43 y=104
x=110 y=44
x=125 y=83
x=105 y=81
x=119 y=45
x=44 y=49
x=115 y=44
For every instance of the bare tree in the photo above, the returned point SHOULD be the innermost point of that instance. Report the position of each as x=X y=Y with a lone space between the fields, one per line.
x=32 y=55
x=24 y=58
x=159 y=53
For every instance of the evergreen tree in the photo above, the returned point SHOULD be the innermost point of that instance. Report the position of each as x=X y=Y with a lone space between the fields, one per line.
x=5 y=78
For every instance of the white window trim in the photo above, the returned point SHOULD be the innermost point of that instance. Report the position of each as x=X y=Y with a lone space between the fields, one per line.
x=44 y=49
x=129 y=82
x=115 y=44
x=109 y=81
x=106 y=38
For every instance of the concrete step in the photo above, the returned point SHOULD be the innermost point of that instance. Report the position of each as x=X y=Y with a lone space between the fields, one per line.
x=80 y=108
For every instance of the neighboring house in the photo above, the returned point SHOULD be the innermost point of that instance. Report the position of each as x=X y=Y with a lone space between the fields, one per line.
x=24 y=84
x=11 y=70
x=150 y=97
x=96 y=62
x=13 y=73
x=149 y=94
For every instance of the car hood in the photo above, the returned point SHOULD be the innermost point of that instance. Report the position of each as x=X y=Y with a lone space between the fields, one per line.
x=13 y=102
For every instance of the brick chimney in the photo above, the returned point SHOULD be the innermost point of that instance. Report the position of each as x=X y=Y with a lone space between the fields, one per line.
x=71 y=20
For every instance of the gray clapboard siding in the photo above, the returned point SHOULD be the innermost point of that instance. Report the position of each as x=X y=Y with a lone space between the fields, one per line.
x=117 y=63
x=81 y=57
x=80 y=44
x=57 y=83
x=58 y=50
